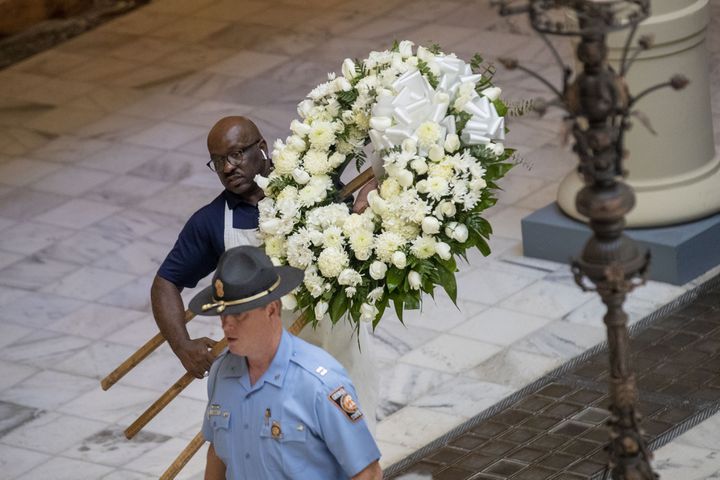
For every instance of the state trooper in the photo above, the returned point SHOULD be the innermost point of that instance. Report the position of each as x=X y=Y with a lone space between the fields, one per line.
x=278 y=407
x=238 y=152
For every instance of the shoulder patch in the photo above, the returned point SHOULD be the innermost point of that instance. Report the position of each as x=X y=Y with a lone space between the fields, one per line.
x=344 y=401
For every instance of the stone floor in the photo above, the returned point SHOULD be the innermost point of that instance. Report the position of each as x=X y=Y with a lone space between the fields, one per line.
x=102 y=159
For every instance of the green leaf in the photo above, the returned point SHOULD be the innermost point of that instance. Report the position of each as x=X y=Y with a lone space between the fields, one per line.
x=338 y=305
x=498 y=170
x=482 y=245
x=447 y=280
x=412 y=302
x=398 y=304
x=394 y=278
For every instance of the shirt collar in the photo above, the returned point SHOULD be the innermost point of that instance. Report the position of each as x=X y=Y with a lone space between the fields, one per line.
x=236 y=366
x=233 y=199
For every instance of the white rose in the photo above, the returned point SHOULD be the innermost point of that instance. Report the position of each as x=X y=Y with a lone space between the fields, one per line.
x=422 y=186
x=405 y=178
x=349 y=277
x=492 y=93
x=321 y=309
x=349 y=70
x=419 y=165
x=409 y=145
x=460 y=233
x=446 y=209
x=399 y=260
x=436 y=153
x=270 y=226
x=342 y=84
x=414 y=280
x=305 y=108
x=378 y=270
x=496 y=148
x=300 y=176
x=452 y=142
x=368 y=312
x=405 y=48
x=430 y=225
x=289 y=302
x=443 y=250
x=299 y=128
x=262 y=182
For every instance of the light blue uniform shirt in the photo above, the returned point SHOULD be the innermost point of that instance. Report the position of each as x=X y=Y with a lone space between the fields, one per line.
x=299 y=420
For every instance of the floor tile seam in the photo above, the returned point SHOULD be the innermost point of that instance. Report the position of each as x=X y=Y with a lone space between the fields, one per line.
x=534 y=386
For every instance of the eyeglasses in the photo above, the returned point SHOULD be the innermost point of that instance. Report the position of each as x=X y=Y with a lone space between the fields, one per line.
x=234 y=158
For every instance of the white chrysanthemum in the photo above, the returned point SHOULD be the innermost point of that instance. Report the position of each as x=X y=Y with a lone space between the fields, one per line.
x=390 y=188
x=423 y=247
x=355 y=222
x=428 y=133
x=477 y=184
x=316 y=162
x=350 y=292
x=335 y=160
x=332 y=261
x=470 y=200
x=275 y=246
x=368 y=312
x=386 y=244
x=333 y=237
x=287 y=202
x=437 y=187
x=294 y=142
x=349 y=277
x=299 y=254
x=266 y=207
x=309 y=195
x=285 y=160
x=301 y=129
x=376 y=294
x=322 y=135
x=361 y=243
x=444 y=169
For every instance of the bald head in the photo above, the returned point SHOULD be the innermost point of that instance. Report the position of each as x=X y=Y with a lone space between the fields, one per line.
x=229 y=132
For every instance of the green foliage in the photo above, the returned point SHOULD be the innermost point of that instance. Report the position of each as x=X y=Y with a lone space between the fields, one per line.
x=338 y=305
x=520 y=108
x=346 y=99
x=425 y=70
x=435 y=49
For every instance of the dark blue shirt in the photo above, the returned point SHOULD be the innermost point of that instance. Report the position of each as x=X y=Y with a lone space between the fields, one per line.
x=201 y=241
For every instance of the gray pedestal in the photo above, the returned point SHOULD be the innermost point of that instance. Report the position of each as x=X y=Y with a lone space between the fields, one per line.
x=679 y=253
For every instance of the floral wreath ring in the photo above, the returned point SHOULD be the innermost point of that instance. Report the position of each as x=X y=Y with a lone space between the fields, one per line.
x=435 y=124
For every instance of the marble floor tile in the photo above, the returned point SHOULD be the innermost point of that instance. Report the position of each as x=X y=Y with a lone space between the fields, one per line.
x=88 y=244
x=401 y=384
x=118 y=402
x=549 y=162
x=56 y=91
x=513 y=367
x=95 y=321
x=72 y=181
x=561 y=339
x=145 y=49
x=52 y=432
x=657 y=292
x=13 y=373
x=189 y=30
x=159 y=106
x=180 y=415
x=106 y=98
x=48 y=390
x=393 y=339
x=6 y=223
x=592 y=312
x=125 y=190
x=44 y=349
x=115 y=127
x=206 y=112
x=101 y=69
x=392 y=453
x=134 y=295
x=89 y=283
x=515 y=187
x=676 y=460
x=255 y=37
x=96 y=42
x=63 y=119
x=121 y=474
x=413 y=427
x=68 y=149
x=180 y=201
x=706 y=435
x=451 y=354
x=119 y=158
x=23 y=171
x=19 y=141
x=155 y=461
x=499 y=326
x=51 y=63
x=136 y=332
x=95 y=360
x=15 y=111
x=77 y=213
x=60 y=468
x=140 y=21
x=134 y=223
x=151 y=78
x=547 y=299
x=462 y=397
x=13 y=415
x=440 y=313
x=8 y=258
x=38 y=311
x=11 y=333
x=227 y=10
x=506 y=222
x=165 y=135
x=490 y=287
x=173 y=167
x=540 y=198
x=248 y=64
x=34 y=272
x=16 y=461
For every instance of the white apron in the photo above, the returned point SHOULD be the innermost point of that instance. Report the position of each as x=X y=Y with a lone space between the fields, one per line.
x=338 y=340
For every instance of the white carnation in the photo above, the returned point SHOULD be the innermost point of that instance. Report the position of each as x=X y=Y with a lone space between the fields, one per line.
x=316 y=162
x=349 y=277
x=285 y=160
x=377 y=270
x=332 y=261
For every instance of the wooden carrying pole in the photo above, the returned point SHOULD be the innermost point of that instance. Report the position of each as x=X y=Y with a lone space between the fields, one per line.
x=137 y=357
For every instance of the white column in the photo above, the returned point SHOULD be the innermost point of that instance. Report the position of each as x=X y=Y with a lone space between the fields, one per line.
x=676 y=173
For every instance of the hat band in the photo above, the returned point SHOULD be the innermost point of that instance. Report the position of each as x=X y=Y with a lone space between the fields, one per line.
x=222 y=304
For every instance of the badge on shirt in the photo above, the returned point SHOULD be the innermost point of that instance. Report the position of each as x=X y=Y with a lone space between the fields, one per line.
x=276 y=431
x=344 y=401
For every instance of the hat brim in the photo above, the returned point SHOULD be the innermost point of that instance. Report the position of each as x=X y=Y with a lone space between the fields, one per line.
x=290 y=277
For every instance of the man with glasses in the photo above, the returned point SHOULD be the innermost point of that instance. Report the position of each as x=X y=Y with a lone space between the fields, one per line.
x=238 y=152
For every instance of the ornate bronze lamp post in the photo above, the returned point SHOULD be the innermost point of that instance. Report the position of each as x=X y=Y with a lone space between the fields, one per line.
x=599 y=105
